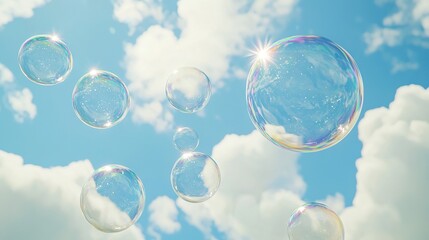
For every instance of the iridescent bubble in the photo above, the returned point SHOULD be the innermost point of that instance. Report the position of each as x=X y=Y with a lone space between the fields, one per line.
x=45 y=59
x=113 y=198
x=188 y=89
x=185 y=139
x=195 y=177
x=304 y=93
x=315 y=221
x=100 y=99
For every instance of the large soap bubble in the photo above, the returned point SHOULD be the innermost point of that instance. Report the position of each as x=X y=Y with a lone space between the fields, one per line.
x=45 y=59
x=113 y=198
x=195 y=177
x=304 y=93
x=188 y=89
x=315 y=221
x=100 y=99
x=185 y=139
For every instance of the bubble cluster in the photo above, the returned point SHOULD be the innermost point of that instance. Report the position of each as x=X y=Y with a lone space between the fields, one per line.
x=113 y=198
x=315 y=221
x=195 y=177
x=304 y=93
x=100 y=99
x=188 y=89
x=185 y=139
x=45 y=59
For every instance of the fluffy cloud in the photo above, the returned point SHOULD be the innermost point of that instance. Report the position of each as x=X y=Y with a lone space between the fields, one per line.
x=42 y=203
x=163 y=217
x=261 y=185
x=20 y=101
x=392 y=192
x=410 y=23
x=22 y=104
x=18 y=8
x=133 y=12
x=207 y=40
x=260 y=189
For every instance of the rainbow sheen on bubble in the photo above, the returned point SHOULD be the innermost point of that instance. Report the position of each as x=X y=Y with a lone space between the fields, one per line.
x=195 y=177
x=185 y=139
x=315 y=221
x=188 y=89
x=100 y=99
x=113 y=198
x=45 y=59
x=304 y=93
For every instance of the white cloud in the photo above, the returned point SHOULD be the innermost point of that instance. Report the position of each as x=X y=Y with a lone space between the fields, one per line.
x=410 y=24
x=22 y=104
x=392 y=192
x=207 y=40
x=43 y=203
x=133 y=12
x=6 y=75
x=163 y=217
x=18 y=8
x=260 y=189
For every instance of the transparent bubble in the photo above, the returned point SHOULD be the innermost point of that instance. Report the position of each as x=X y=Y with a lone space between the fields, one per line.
x=188 y=89
x=45 y=59
x=113 y=198
x=315 y=221
x=195 y=177
x=304 y=93
x=185 y=139
x=100 y=99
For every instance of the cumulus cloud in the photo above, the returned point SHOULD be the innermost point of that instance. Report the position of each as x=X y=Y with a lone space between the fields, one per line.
x=133 y=12
x=20 y=101
x=260 y=189
x=6 y=75
x=261 y=185
x=18 y=8
x=410 y=24
x=204 y=39
x=392 y=192
x=163 y=217
x=22 y=104
x=43 y=203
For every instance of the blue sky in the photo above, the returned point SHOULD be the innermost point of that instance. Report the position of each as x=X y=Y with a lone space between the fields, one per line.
x=143 y=41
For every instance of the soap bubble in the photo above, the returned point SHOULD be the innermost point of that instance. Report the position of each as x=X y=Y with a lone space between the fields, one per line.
x=188 y=89
x=113 y=198
x=195 y=177
x=315 y=221
x=185 y=139
x=45 y=59
x=100 y=99
x=304 y=93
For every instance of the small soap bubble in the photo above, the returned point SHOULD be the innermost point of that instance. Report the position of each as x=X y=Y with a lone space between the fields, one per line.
x=185 y=139
x=304 y=93
x=195 y=177
x=188 y=89
x=45 y=59
x=113 y=198
x=315 y=221
x=100 y=99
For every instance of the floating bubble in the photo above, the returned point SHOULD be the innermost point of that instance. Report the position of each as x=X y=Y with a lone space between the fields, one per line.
x=315 y=221
x=113 y=198
x=304 y=93
x=185 y=139
x=195 y=177
x=100 y=99
x=45 y=59
x=188 y=89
